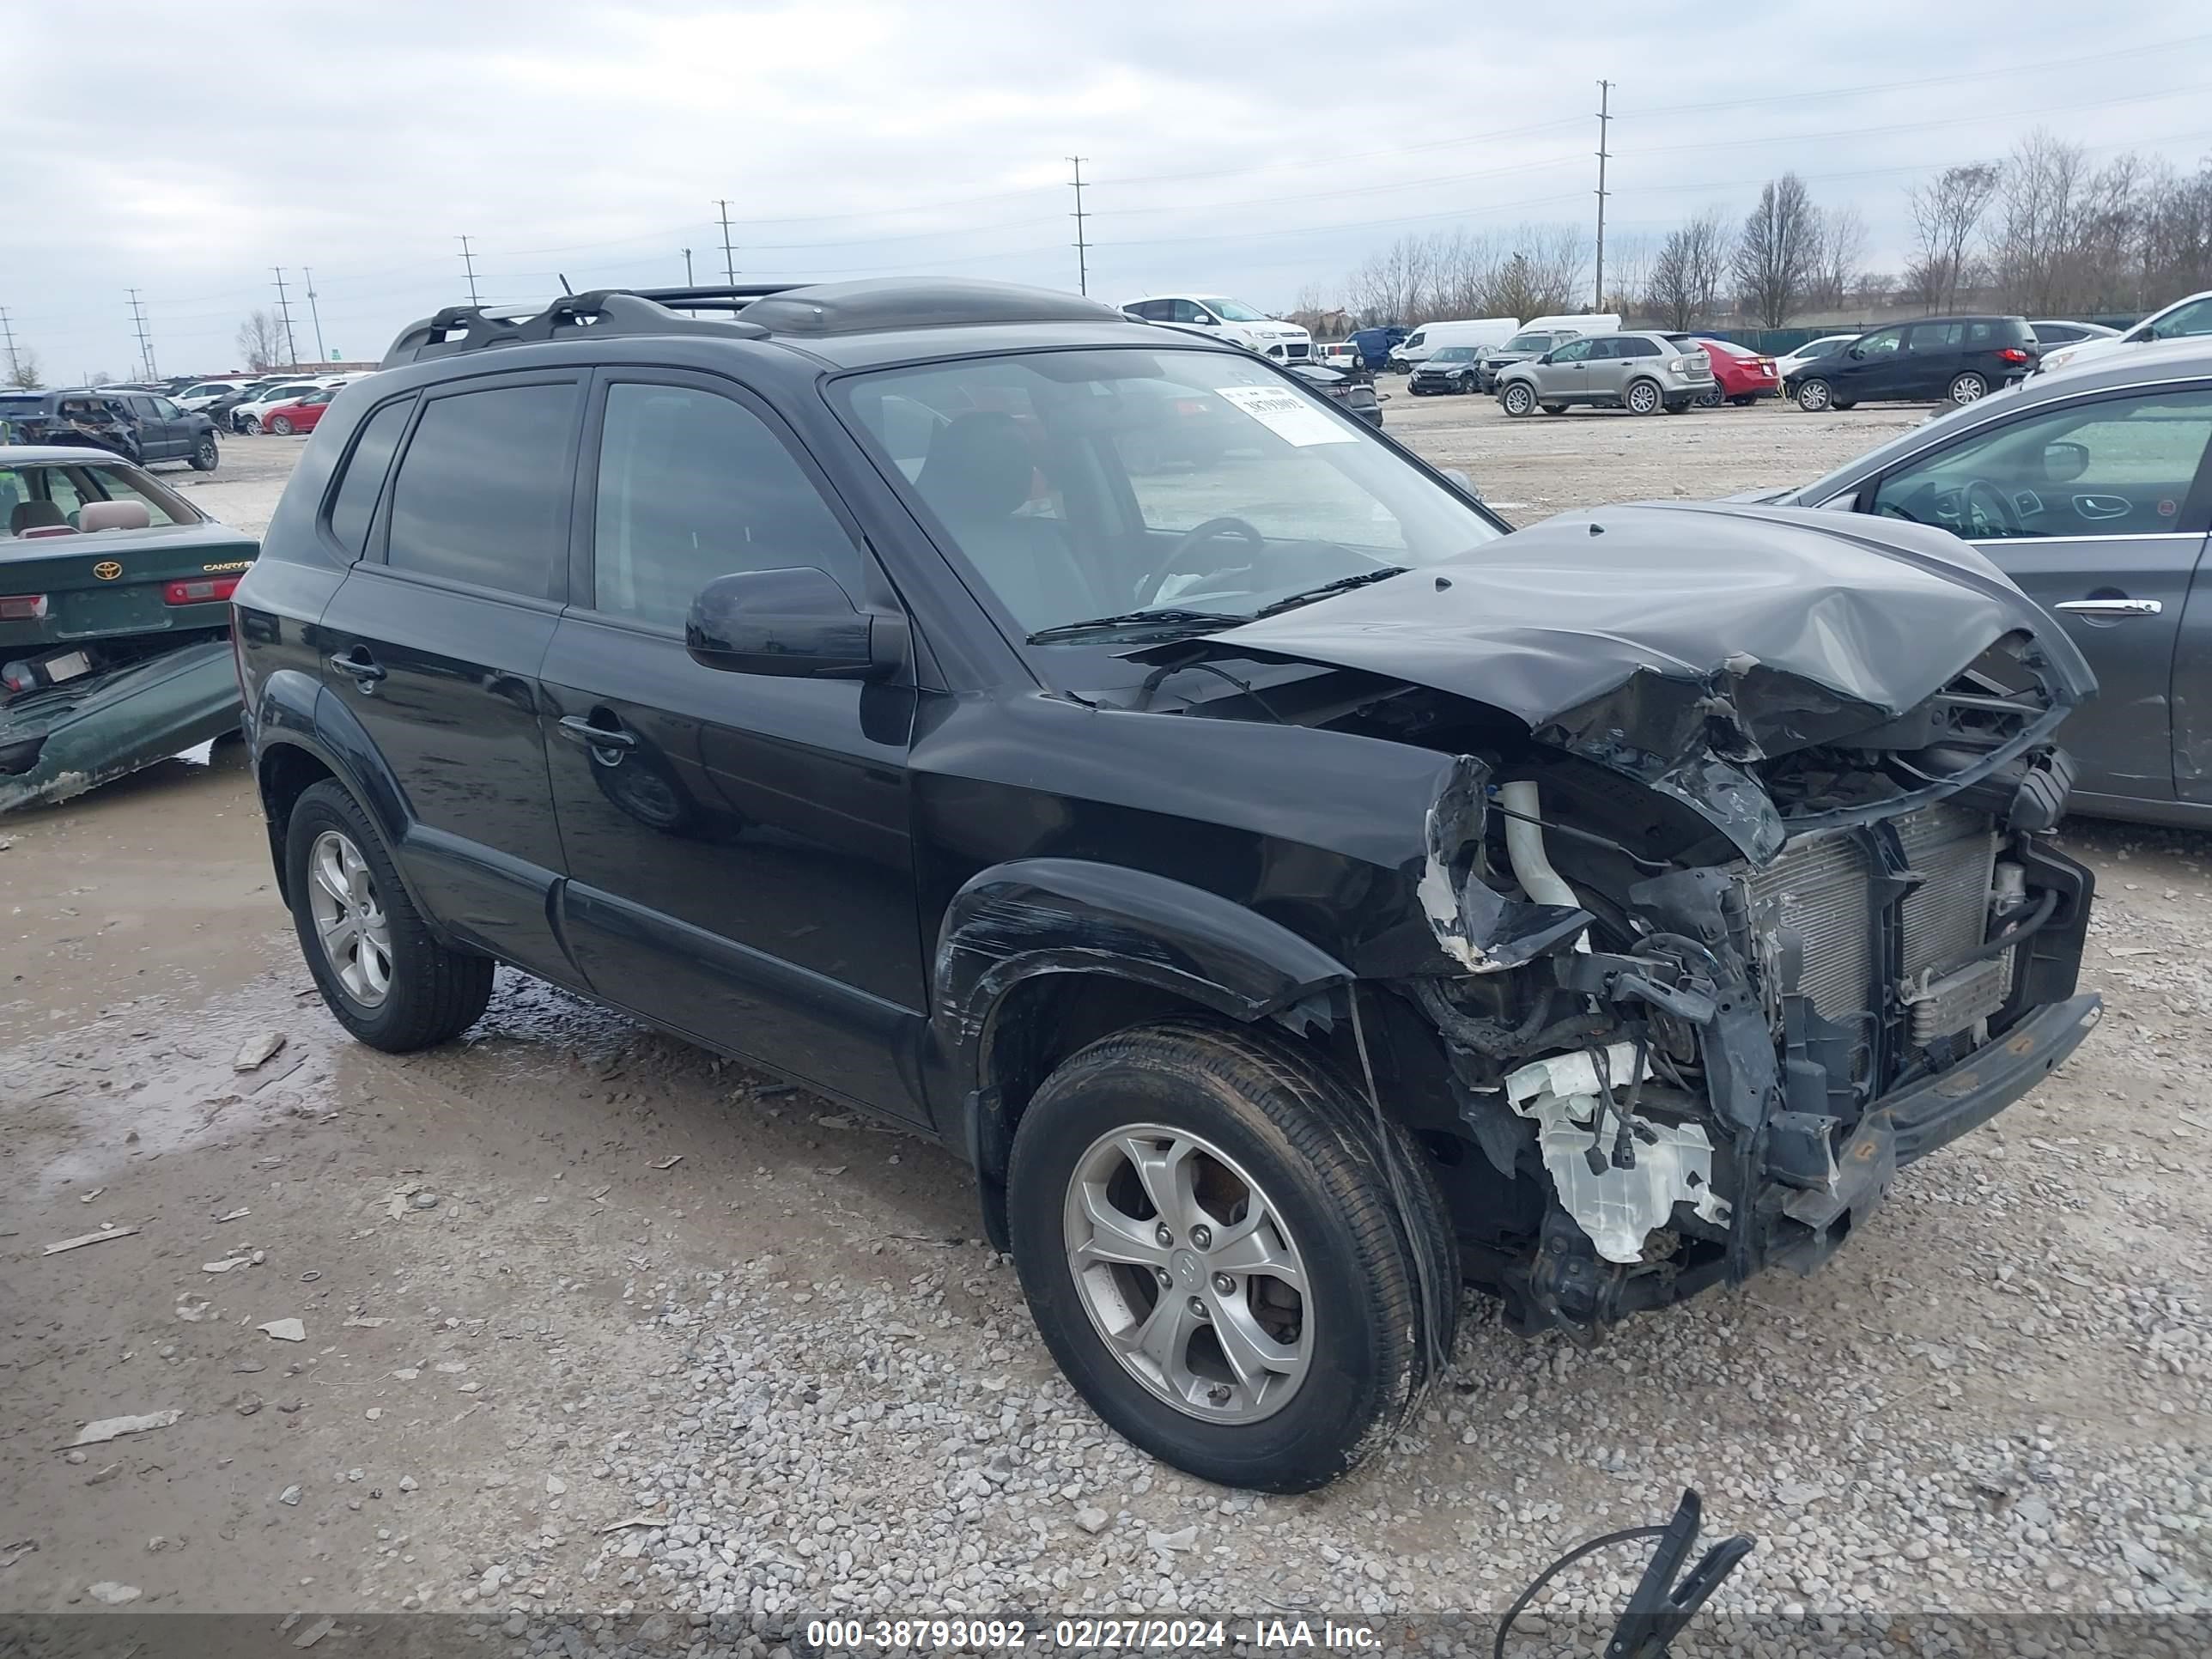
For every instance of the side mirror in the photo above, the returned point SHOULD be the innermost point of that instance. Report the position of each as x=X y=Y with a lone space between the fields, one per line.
x=1546 y=358
x=2064 y=461
x=1855 y=352
x=795 y=624
x=1461 y=483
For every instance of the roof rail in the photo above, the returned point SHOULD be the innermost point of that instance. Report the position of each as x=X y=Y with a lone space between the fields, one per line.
x=458 y=329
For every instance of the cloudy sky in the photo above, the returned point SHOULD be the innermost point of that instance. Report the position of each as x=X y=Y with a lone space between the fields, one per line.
x=188 y=150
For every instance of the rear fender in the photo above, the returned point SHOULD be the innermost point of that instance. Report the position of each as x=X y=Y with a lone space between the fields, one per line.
x=297 y=710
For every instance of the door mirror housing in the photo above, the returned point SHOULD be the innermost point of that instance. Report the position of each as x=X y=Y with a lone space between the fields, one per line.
x=1546 y=358
x=794 y=623
x=2064 y=461
x=1460 y=482
x=1856 y=352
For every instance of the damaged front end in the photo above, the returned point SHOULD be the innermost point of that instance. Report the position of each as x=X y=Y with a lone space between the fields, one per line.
x=1741 y=895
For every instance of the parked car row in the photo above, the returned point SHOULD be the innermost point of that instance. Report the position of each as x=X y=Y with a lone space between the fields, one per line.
x=142 y=426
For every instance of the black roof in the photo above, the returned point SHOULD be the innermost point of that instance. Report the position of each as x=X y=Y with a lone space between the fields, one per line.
x=808 y=316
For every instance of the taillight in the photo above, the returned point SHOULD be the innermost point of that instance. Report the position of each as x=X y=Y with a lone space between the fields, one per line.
x=2013 y=355
x=22 y=607
x=199 y=590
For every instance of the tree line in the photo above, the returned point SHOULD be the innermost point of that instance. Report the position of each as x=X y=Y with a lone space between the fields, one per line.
x=2044 y=232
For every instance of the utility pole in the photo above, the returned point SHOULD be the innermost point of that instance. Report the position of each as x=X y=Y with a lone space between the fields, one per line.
x=729 y=257
x=469 y=263
x=284 y=311
x=1082 y=247
x=1604 y=117
x=138 y=322
x=8 y=332
x=687 y=268
x=321 y=356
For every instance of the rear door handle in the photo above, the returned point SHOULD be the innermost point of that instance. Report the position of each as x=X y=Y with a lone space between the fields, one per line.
x=2113 y=608
x=577 y=729
x=364 y=668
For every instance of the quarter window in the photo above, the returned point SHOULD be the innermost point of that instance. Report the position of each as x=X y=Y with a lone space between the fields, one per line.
x=355 y=504
x=482 y=495
x=2117 y=466
x=693 y=485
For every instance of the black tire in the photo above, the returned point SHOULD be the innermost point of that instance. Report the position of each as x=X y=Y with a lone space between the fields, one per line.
x=1745 y=402
x=1814 y=396
x=250 y=426
x=1709 y=398
x=435 y=993
x=1678 y=407
x=205 y=455
x=1517 y=398
x=1643 y=398
x=1555 y=408
x=1843 y=402
x=1312 y=1146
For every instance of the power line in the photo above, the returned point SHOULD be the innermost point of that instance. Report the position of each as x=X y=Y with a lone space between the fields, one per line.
x=145 y=343
x=285 y=311
x=1082 y=247
x=469 y=264
x=321 y=356
x=729 y=256
x=1604 y=104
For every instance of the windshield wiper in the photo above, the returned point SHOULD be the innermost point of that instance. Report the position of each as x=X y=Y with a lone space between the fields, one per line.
x=1136 y=619
x=1341 y=585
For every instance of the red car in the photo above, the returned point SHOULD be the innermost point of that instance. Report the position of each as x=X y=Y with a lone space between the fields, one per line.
x=300 y=416
x=1740 y=374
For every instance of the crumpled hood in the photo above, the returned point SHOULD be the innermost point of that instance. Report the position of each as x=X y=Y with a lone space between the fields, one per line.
x=1660 y=639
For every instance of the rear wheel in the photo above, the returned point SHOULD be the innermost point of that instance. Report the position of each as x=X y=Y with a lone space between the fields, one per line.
x=1745 y=402
x=1643 y=398
x=1518 y=398
x=1967 y=388
x=1209 y=1239
x=1710 y=398
x=281 y=426
x=1814 y=396
x=380 y=972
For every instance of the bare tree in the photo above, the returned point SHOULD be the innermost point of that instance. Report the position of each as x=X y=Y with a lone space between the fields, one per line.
x=2060 y=238
x=1843 y=247
x=23 y=372
x=1393 y=285
x=1686 y=273
x=1628 y=274
x=1779 y=250
x=2177 y=234
x=261 y=341
x=1947 y=212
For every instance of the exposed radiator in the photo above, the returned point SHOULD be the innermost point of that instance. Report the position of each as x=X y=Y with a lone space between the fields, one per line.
x=1821 y=889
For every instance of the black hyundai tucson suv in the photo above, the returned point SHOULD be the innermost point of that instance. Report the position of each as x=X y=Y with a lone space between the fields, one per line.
x=1293 y=894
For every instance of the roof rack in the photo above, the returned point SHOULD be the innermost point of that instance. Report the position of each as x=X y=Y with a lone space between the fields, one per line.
x=755 y=312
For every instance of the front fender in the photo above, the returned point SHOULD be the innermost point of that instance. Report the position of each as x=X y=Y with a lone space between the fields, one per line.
x=1032 y=916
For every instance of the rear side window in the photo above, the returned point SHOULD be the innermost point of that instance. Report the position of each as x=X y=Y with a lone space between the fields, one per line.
x=482 y=494
x=362 y=481
x=1635 y=345
x=692 y=486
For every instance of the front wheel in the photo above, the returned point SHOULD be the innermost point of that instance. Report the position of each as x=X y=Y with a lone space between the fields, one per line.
x=1967 y=388
x=1518 y=398
x=1213 y=1247
x=1814 y=396
x=205 y=453
x=250 y=426
x=1643 y=398
x=380 y=971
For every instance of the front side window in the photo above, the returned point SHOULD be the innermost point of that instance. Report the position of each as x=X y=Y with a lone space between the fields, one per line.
x=482 y=495
x=1078 y=485
x=1574 y=352
x=693 y=485
x=1186 y=310
x=1236 y=311
x=2195 y=318
x=2112 y=467
x=1882 y=343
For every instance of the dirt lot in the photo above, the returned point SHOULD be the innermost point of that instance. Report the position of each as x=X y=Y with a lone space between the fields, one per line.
x=565 y=1274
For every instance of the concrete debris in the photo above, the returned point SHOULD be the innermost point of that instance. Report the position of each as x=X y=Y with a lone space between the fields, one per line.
x=315 y=1632
x=291 y=1495
x=257 y=1051
x=1183 y=1539
x=115 y=1595
x=110 y=1428
x=226 y=1264
x=285 y=1330
x=670 y=1161
x=83 y=1239
x=1092 y=1519
x=238 y=1214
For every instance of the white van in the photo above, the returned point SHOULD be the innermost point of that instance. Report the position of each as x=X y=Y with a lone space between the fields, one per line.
x=1585 y=322
x=1431 y=337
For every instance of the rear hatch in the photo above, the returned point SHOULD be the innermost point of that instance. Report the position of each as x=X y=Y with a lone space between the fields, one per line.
x=58 y=588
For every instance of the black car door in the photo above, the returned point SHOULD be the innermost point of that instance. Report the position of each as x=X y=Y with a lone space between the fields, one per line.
x=433 y=642
x=1934 y=353
x=737 y=846
x=1871 y=367
x=2099 y=509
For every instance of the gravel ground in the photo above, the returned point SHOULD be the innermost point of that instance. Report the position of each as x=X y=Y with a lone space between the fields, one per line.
x=786 y=1361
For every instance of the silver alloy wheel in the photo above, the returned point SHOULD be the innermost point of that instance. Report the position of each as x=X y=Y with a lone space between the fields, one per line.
x=1813 y=396
x=1968 y=388
x=1189 y=1273
x=1519 y=399
x=1643 y=398
x=349 y=918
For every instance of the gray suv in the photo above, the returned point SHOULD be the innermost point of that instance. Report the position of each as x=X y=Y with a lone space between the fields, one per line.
x=1643 y=374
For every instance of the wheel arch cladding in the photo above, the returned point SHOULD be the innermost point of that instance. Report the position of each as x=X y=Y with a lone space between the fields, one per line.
x=298 y=726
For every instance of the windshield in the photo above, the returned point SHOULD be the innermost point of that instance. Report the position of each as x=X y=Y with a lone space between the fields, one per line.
x=1453 y=354
x=1233 y=311
x=1171 y=490
x=1529 y=343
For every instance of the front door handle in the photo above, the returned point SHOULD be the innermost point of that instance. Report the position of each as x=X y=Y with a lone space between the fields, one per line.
x=2113 y=608
x=577 y=729
x=365 y=669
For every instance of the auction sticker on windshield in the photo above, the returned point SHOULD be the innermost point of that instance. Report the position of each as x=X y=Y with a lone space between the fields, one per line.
x=1285 y=415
